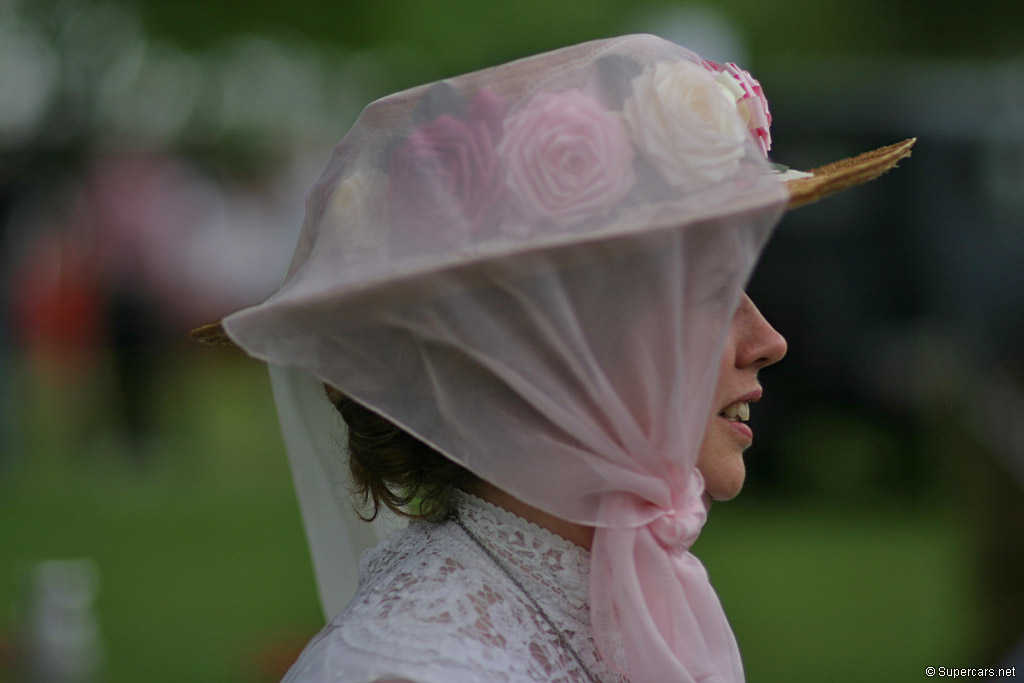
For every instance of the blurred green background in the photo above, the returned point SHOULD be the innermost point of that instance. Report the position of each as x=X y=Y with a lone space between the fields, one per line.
x=153 y=162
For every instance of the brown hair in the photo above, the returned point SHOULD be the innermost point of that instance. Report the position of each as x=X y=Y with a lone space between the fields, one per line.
x=391 y=467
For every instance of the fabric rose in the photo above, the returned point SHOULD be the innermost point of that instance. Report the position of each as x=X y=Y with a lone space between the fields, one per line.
x=750 y=101
x=445 y=179
x=687 y=127
x=566 y=158
x=353 y=211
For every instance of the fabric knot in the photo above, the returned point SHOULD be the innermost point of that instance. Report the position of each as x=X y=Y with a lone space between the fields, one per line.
x=678 y=527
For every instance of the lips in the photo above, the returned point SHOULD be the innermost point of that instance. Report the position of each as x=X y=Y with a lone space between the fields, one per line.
x=737 y=413
x=739 y=409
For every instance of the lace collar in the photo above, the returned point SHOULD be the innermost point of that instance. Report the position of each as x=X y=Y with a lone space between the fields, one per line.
x=554 y=569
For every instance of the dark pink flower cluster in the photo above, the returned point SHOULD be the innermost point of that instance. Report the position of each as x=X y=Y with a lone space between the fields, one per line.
x=752 y=103
x=445 y=178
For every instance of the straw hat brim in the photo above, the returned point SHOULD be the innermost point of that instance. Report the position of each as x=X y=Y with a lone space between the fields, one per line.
x=822 y=182
x=847 y=173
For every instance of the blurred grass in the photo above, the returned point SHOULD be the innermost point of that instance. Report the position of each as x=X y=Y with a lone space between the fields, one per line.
x=205 y=574
x=204 y=571
x=844 y=593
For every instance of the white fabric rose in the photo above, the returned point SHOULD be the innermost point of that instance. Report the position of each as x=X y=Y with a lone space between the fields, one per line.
x=686 y=125
x=350 y=211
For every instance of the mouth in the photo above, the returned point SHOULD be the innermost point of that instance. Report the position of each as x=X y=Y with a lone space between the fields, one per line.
x=737 y=413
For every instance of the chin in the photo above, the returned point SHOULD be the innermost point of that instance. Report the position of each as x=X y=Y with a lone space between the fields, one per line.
x=724 y=493
x=724 y=481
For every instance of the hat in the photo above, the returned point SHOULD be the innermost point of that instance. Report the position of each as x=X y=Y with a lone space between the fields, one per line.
x=532 y=268
x=803 y=188
x=389 y=171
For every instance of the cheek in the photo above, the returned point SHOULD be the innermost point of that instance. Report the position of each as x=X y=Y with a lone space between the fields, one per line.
x=721 y=456
x=721 y=463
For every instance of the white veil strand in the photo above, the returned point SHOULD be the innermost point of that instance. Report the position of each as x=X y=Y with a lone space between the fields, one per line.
x=533 y=269
x=337 y=536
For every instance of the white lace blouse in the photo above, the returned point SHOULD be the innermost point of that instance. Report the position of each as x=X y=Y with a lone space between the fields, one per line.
x=432 y=607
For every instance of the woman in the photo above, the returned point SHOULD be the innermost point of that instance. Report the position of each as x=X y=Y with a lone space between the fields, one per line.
x=529 y=280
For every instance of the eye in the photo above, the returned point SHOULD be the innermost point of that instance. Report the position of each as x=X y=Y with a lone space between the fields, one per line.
x=716 y=290
x=721 y=297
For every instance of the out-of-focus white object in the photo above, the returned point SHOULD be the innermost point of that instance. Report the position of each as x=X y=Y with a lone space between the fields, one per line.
x=61 y=629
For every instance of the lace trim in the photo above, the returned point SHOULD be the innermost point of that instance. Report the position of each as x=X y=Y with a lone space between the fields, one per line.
x=468 y=503
x=550 y=564
x=431 y=600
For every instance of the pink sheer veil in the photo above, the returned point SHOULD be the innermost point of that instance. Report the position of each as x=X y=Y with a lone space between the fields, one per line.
x=533 y=268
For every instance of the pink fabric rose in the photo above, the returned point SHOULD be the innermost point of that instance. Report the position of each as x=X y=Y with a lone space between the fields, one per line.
x=750 y=99
x=566 y=158
x=445 y=180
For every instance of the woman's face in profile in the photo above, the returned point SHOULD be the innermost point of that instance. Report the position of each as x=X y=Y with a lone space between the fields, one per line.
x=752 y=344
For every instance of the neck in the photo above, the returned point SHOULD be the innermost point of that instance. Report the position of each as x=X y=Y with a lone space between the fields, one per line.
x=582 y=536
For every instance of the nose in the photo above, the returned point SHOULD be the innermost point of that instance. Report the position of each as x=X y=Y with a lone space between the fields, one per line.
x=758 y=344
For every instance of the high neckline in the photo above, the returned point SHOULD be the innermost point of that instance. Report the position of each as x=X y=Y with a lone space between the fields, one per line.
x=550 y=566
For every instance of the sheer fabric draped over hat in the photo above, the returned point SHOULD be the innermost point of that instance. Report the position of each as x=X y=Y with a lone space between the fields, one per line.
x=533 y=269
